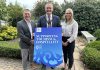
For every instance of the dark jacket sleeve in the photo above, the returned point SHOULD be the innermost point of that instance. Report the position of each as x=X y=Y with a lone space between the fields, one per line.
x=39 y=22
x=59 y=25
x=22 y=35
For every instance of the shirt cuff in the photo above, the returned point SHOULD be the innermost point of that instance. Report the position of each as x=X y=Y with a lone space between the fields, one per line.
x=68 y=41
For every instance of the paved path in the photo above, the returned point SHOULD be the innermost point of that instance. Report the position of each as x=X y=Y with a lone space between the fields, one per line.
x=15 y=64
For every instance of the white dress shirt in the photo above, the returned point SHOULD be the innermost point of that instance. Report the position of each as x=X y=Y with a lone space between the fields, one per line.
x=30 y=27
x=70 y=30
x=48 y=19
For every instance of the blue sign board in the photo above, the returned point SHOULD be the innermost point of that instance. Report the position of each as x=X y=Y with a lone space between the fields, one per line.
x=48 y=46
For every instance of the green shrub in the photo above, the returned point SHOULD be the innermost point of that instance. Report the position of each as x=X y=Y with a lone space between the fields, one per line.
x=91 y=55
x=95 y=44
x=91 y=58
x=1 y=39
x=97 y=34
x=10 y=49
x=8 y=33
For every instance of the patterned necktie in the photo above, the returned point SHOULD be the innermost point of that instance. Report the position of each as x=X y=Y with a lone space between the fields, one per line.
x=49 y=21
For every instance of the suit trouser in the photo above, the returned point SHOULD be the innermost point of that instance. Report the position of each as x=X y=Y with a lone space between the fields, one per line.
x=68 y=52
x=25 y=54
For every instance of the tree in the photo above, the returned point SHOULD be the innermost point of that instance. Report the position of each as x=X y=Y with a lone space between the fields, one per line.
x=57 y=9
x=88 y=1
x=14 y=13
x=87 y=14
x=3 y=10
x=39 y=9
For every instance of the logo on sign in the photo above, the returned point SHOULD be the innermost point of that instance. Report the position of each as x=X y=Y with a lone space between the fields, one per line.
x=38 y=30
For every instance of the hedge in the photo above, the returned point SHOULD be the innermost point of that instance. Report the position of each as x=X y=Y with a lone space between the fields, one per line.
x=95 y=44
x=91 y=55
x=97 y=34
x=10 y=49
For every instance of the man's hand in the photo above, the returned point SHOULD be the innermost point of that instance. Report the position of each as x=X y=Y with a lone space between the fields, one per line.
x=62 y=34
x=32 y=42
x=32 y=35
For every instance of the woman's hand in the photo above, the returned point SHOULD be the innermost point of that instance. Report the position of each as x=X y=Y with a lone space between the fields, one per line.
x=64 y=43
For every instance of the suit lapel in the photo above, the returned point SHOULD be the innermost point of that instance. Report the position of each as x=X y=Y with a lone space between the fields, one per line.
x=26 y=26
x=45 y=20
x=52 y=20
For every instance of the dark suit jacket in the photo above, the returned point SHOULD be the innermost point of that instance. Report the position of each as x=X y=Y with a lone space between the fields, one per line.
x=24 y=34
x=42 y=22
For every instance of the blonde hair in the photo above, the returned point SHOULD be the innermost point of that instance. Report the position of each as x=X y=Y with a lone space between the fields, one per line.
x=69 y=10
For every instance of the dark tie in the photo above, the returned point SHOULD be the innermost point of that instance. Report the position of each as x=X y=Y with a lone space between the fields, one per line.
x=49 y=21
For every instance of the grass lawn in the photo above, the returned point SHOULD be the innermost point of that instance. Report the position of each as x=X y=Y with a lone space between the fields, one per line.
x=10 y=44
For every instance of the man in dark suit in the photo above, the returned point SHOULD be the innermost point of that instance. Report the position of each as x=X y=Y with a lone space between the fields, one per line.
x=25 y=29
x=48 y=20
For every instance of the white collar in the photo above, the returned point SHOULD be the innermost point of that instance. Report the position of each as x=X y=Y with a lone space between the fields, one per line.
x=27 y=21
x=50 y=17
